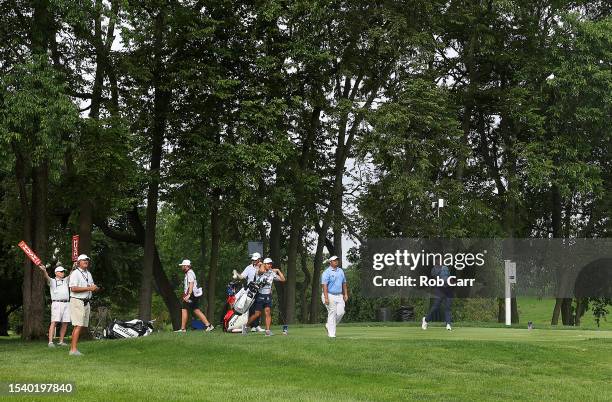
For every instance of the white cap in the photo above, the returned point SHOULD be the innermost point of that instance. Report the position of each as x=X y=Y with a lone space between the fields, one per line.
x=60 y=269
x=185 y=262
x=267 y=261
x=83 y=257
x=332 y=258
x=255 y=256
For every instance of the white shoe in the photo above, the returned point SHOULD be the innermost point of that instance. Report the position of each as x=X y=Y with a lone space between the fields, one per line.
x=62 y=344
x=424 y=324
x=269 y=333
x=259 y=329
x=448 y=327
x=210 y=328
x=51 y=344
x=181 y=330
x=75 y=353
x=331 y=336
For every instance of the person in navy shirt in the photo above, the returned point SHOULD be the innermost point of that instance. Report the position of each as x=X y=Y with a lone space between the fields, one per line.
x=335 y=294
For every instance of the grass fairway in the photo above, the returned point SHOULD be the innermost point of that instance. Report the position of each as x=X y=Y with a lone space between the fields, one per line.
x=363 y=363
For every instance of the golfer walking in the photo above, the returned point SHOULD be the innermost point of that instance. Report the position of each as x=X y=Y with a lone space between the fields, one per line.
x=442 y=293
x=60 y=309
x=191 y=298
x=82 y=286
x=263 y=301
x=335 y=294
x=249 y=273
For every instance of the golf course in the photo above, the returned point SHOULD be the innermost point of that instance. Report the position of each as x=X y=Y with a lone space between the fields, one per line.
x=365 y=362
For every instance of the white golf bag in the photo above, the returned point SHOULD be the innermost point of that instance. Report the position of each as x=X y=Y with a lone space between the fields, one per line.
x=240 y=303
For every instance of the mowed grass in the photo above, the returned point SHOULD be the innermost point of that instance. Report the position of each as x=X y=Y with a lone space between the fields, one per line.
x=539 y=311
x=376 y=363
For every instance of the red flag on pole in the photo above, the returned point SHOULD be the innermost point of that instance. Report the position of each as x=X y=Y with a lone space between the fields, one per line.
x=75 y=247
x=31 y=254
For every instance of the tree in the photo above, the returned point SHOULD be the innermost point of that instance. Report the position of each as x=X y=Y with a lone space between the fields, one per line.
x=35 y=112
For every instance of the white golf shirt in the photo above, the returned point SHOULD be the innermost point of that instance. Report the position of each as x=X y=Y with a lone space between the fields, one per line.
x=80 y=279
x=189 y=277
x=59 y=289
x=249 y=273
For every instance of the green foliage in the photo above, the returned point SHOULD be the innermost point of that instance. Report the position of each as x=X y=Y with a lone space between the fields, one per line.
x=36 y=115
x=599 y=306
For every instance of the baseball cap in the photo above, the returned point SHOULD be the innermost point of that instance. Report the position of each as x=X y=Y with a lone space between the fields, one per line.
x=185 y=262
x=83 y=257
x=267 y=261
x=60 y=269
x=332 y=258
x=255 y=256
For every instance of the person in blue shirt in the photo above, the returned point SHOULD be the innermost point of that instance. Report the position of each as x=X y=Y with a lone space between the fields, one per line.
x=335 y=294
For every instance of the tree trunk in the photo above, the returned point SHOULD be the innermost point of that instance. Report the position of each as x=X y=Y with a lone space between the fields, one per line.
x=514 y=315
x=556 y=311
x=562 y=305
x=264 y=239
x=85 y=225
x=567 y=316
x=3 y=320
x=160 y=105
x=305 y=283
x=275 y=254
x=315 y=290
x=338 y=242
x=163 y=285
x=215 y=238
x=294 y=240
x=468 y=106
x=204 y=246
x=35 y=228
x=581 y=304
x=34 y=283
x=86 y=204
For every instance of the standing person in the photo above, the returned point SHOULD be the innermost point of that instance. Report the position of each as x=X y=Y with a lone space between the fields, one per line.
x=443 y=292
x=265 y=277
x=249 y=274
x=60 y=309
x=82 y=286
x=335 y=294
x=191 y=298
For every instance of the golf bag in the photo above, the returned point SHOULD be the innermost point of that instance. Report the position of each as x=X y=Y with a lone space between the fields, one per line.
x=128 y=329
x=240 y=299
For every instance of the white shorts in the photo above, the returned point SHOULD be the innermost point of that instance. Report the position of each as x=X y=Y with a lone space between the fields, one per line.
x=60 y=311
x=79 y=313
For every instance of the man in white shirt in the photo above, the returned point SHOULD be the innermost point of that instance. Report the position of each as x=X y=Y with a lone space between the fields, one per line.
x=60 y=309
x=249 y=274
x=191 y=298
x=82 y=287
